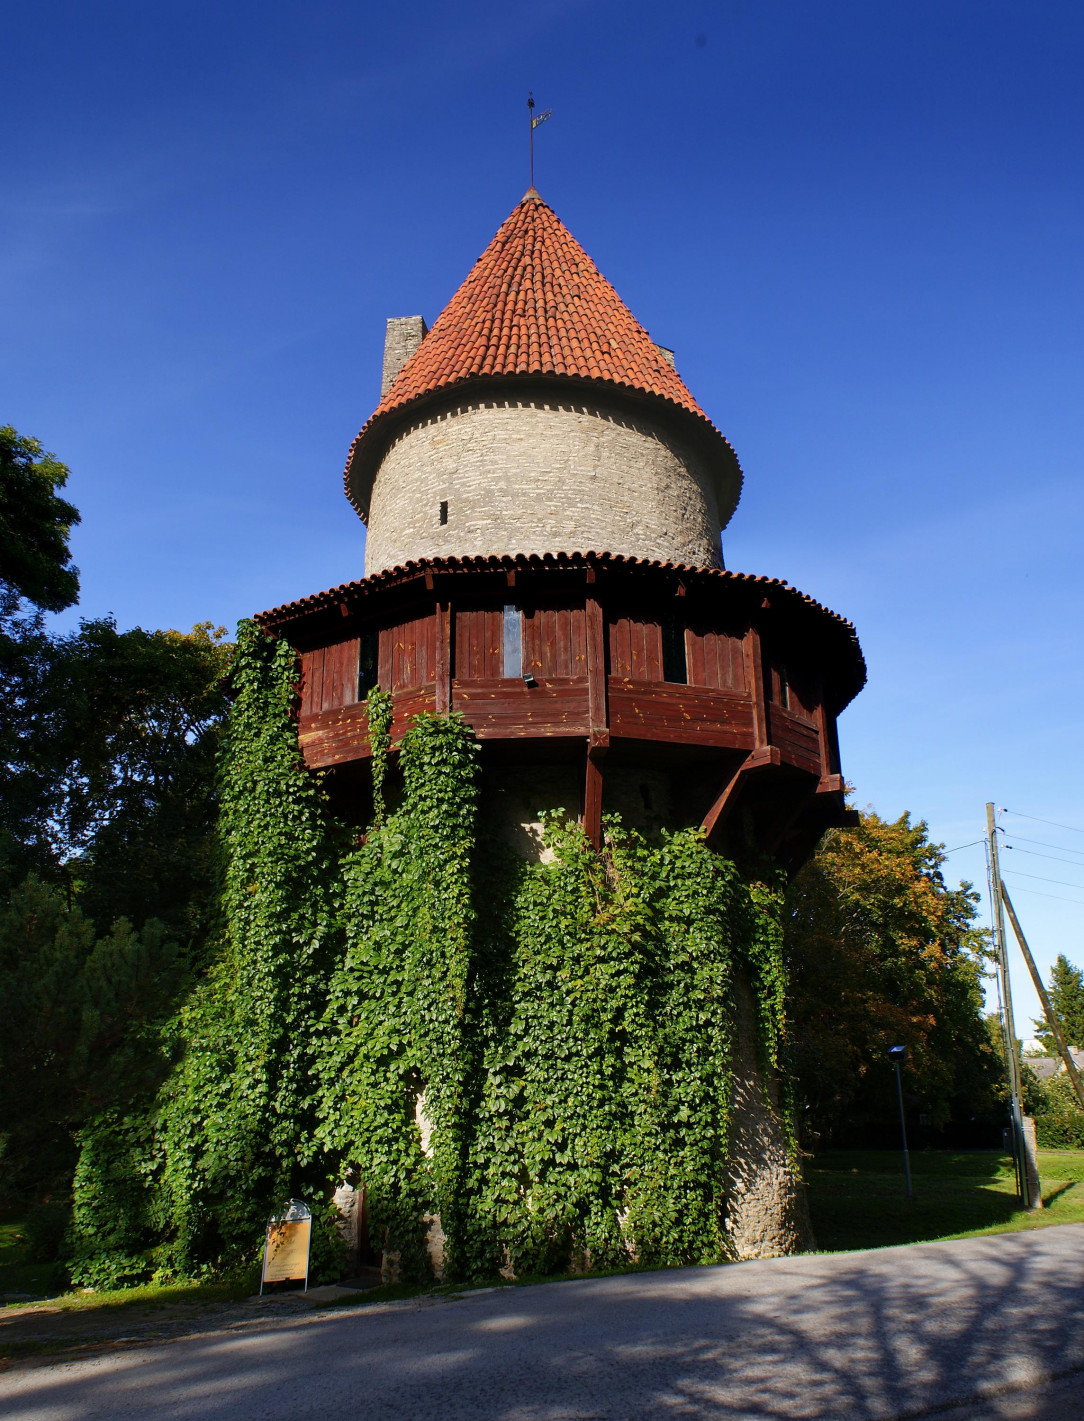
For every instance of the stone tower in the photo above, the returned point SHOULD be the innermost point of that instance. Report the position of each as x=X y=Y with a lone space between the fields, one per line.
x=544 y=500
x=537 y=416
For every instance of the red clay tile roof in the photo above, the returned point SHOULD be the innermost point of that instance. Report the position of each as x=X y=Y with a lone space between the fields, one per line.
x=533 y=304
x=851 y=663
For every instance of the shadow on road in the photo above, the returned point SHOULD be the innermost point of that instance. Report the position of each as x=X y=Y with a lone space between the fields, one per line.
x=892 y=1333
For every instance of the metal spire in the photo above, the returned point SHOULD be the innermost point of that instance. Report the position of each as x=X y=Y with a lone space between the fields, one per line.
x=534 y=124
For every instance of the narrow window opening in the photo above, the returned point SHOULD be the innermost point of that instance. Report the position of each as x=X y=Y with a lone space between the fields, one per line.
x=673 y=653
x=368 y=656
x=513 y=641
x=784 y=688
x=443 y=512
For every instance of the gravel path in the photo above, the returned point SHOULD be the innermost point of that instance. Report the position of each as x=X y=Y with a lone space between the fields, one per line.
x=888 y=1333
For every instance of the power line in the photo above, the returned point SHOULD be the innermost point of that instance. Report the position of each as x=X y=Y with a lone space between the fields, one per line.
x=958 y=847
x=1052 y=857
x=1043 y=844
x=1061 y=882
x=1055 y=897
x=1035 y=819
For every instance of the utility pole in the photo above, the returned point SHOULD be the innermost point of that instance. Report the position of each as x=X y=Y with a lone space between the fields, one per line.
x=897 y=1055
x=1048 y=1006
x=1008 y=1025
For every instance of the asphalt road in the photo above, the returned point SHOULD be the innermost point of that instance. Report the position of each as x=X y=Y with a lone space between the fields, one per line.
x=888 y=1333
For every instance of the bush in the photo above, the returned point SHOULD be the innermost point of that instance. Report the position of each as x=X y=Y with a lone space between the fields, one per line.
x=1059 y=1123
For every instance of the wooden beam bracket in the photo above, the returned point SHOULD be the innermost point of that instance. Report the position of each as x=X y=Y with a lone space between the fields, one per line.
x=765 y=756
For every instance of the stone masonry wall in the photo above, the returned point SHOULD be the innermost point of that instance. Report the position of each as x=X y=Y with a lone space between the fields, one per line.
x=540 y=476
x=767 y=1210
x=402 y=337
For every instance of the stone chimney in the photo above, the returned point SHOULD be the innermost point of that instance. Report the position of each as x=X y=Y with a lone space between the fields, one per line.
x=402 y=338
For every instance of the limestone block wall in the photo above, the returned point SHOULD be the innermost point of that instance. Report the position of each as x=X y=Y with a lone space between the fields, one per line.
x=767 y=1210
x=402 y=337
x=540 y=475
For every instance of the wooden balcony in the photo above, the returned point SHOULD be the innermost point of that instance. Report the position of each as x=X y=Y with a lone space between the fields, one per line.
x=590 y=658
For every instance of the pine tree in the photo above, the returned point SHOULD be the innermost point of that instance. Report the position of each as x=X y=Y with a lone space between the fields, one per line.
x=1067 y=998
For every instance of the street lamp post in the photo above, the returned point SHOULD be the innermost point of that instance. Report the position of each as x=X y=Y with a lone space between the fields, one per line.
x=897 y=1055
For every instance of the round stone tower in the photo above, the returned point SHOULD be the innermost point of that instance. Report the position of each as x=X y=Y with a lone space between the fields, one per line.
x=544 y=500
x=537 y=416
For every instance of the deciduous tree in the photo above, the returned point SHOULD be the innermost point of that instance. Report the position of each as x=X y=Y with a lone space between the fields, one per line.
x=883 y=952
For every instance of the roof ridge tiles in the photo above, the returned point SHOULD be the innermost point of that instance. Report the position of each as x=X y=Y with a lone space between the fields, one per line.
x=495 y=561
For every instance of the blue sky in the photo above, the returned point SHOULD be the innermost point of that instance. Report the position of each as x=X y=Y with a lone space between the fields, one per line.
x=859 y=227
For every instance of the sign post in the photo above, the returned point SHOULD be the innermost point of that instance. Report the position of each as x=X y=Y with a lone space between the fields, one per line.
x=287 y=1246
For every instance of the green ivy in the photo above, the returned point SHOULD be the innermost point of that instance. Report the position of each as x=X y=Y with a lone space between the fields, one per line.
x=223 y=1147
x=395 y=1032
x=540 y=1053
x=378 y=704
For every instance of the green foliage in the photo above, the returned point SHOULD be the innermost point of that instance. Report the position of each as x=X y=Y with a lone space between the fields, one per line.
x=35 y=523
x=1066 y=992
x=110 y=754
x=606 y=1013
x=79 y=1016
x=228 y=1126
x=378 y=703
x=883 y=952
x=394 y=1032
x=1059 y=1120
x=568 y=1054
x=540 y=1053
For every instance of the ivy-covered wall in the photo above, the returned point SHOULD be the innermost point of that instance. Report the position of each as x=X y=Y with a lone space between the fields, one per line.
x=542 y=1054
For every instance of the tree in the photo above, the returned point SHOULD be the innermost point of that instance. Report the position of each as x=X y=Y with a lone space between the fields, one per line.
x=133 y=726
x=1067 y=998
x=35 y=523
x=882 y=952
x=36 y=576
x=108 y=868
x=110 y=783
x=76 y=1012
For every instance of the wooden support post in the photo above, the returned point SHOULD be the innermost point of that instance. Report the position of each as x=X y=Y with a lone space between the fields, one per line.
x=598 y=715
x=820 y=719
x=443 y=658
x=754 y=680
x=592 y=797
x=598 y=719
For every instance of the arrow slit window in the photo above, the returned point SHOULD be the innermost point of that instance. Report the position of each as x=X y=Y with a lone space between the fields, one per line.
x=674 y=665
x=513 y=641
x=368 y=651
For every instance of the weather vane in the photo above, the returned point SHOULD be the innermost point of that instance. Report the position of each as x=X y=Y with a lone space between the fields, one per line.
x=534 y=124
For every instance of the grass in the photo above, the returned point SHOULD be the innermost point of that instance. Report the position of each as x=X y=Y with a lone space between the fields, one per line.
x=150 y=1295
x=856 y=1197
x=856 y=1200
x=43 y=1283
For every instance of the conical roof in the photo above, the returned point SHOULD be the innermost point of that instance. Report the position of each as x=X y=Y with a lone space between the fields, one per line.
x=534 y=304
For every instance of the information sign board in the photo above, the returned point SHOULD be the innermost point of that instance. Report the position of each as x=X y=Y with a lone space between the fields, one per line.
x=286 y=1249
